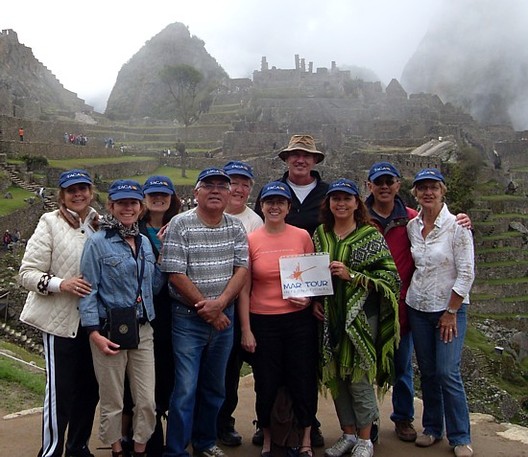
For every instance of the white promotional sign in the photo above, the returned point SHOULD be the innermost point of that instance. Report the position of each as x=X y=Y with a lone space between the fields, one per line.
x=306 y=275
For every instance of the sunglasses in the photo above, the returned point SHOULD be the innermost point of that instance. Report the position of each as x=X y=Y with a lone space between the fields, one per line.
x=384 y=180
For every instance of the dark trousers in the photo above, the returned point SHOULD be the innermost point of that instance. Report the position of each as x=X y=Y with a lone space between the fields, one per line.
x=286 y=354
x=238 y=356
x=71 y=396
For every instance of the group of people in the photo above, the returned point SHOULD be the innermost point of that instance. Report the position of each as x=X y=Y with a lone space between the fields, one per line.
x=73 y=138
x=206 y=292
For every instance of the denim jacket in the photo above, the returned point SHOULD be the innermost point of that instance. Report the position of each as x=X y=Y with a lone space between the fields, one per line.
x=108 y=264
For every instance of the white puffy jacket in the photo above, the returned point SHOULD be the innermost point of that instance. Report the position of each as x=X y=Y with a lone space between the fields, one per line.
x=55 y=248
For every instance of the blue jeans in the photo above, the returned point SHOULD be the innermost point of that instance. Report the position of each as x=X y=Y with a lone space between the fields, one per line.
x=403 y=390
x=443 y=391
x=200 y=359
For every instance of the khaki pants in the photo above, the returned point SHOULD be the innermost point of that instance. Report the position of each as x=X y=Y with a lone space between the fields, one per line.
x=110 y=371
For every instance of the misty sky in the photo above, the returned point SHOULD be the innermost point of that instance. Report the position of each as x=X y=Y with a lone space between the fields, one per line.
x=85 y=43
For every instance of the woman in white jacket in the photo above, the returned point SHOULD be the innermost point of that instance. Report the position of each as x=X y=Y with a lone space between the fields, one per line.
x=50 y=271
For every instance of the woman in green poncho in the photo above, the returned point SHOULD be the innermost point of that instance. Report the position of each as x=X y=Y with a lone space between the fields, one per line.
x=360 y=321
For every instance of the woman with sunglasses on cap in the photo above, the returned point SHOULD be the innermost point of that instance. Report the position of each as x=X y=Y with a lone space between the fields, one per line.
x=438 y=298
x=360 y=320
x=280 y=332
x=121 y=267
x=50 y=270
x=161 y=204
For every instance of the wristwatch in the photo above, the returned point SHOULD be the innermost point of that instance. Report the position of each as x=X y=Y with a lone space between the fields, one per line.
x=451 y=310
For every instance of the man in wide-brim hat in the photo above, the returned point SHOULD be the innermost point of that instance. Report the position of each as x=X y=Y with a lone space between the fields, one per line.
x=302 y=143
x=307 y=188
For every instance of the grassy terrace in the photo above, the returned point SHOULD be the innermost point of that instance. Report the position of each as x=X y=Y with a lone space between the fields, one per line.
x=501 y=236
x=502 y=197
x=503 y=263
x=503 y=249
x=17 y=202
x=66 y=164
x=502 y=281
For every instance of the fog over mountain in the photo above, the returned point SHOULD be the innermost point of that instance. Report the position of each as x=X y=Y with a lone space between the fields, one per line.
x=474 y=54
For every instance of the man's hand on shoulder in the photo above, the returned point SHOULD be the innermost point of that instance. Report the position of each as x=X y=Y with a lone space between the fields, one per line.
x=464 y=220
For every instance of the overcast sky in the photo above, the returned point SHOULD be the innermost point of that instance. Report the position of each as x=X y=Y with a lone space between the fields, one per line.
x=85 y=43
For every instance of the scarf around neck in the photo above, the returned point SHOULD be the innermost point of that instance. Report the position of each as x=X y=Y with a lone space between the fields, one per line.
x=73 y=218
x=111 y=224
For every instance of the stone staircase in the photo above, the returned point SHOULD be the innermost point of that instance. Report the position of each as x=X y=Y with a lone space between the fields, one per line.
x=48 y=203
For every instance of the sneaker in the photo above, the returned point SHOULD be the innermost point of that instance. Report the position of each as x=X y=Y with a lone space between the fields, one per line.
x=405 y=431
x=341 y=447
x=230 y=437
x=463 y=450
x=363 y=448
x=215 y=451
x=258 y=436
x=423 y=440
x=316 y=437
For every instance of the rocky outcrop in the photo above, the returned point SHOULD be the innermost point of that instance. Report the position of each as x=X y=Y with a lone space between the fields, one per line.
x=139 y=91
x=28 y=89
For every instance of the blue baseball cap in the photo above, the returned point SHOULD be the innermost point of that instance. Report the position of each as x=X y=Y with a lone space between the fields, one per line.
x=275 y=188
x=343 y=185
x=161 y=184
x=75 y=176
x=213 y=173
x=236 y=167
x=125 y=188
x=429 y=173
x=383 y=168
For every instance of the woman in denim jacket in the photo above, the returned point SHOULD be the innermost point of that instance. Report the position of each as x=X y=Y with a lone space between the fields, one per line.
x=112 y=263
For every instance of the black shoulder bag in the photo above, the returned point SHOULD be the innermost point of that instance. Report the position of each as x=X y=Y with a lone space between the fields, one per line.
x=123 y=324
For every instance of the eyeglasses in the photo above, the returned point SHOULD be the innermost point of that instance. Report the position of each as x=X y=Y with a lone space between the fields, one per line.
x=219 y=187
x=426 y=187
x=384 y=180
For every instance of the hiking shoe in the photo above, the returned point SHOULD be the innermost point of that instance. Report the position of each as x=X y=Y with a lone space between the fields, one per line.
x=230 y=437
x=341 y=447
x=423 y=440
x=363 y=448
x=316 y=437
x=215 y=451
x=463 y=450
x=405 y=430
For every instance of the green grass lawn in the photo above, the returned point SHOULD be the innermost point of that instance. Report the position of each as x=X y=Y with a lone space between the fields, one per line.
x=173 y=173
x=21 y=386
x=9 y=205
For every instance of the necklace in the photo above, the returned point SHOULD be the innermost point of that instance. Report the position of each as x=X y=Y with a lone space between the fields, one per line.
x=345 y=233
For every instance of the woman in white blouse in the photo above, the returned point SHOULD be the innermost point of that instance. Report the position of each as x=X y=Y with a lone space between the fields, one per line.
x=437 y=298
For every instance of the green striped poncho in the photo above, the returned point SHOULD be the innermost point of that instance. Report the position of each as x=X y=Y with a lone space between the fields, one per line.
x=347 y=346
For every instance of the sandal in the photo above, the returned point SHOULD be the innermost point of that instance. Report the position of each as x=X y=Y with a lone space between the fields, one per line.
x=307 y=452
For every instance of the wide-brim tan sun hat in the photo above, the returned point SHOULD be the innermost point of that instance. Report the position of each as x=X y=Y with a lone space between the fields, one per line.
x=302 y=143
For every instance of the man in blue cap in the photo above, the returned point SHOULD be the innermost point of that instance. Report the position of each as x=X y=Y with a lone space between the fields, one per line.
x=390 y=215
x=242 y=179
x=205 y=253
